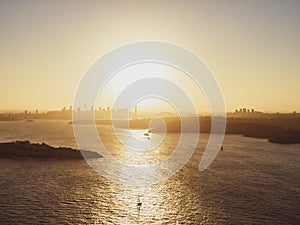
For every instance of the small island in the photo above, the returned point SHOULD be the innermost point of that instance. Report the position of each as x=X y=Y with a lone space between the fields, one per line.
x=26 y=149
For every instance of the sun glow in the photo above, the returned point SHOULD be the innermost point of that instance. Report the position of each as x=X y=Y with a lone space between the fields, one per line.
x=129 y=75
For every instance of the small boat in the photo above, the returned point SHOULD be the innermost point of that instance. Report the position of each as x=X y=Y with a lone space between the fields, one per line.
x=138 y=204
x=146 y=134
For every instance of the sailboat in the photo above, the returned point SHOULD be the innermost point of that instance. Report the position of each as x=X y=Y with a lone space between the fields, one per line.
x=139 y=203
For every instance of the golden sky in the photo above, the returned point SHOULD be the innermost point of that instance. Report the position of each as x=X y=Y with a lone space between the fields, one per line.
x=252 y=47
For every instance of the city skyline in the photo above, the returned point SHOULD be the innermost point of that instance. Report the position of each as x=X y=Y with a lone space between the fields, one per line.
x=136 y=110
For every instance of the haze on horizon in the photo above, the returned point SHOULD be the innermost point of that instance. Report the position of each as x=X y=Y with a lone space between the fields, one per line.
x=252 y=47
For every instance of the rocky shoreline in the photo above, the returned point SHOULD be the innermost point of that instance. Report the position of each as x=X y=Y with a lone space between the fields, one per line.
x=26 y=149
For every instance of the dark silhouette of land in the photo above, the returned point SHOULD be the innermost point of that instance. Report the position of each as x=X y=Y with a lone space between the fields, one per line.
x=277 y=130
x=33 y=150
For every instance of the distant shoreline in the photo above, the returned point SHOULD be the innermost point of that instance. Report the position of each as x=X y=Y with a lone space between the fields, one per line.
x=276 y=130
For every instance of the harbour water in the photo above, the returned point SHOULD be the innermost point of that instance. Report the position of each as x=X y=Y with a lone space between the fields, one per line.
x=251 y=181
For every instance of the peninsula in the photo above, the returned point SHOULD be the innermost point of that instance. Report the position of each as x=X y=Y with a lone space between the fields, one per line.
x=25 y=149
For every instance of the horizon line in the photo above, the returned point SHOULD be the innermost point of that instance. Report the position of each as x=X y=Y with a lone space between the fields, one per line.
x=145 y=111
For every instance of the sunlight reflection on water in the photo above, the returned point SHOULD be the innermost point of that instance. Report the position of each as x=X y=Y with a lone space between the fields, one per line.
x=251 y=181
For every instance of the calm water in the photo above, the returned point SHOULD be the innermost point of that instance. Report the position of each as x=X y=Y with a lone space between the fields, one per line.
x=250 y=182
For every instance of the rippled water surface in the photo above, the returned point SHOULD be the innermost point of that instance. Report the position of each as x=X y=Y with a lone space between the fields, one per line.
x=250 y=182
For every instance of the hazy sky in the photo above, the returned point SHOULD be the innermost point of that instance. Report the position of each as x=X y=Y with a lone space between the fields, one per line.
x=253 y=47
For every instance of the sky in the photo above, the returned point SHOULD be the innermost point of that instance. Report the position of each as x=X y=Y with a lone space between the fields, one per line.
x=252 y=47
